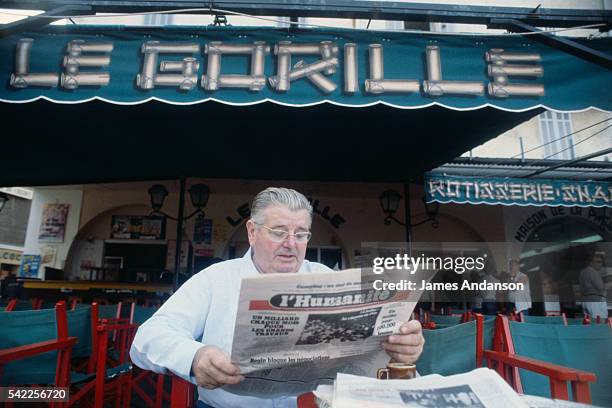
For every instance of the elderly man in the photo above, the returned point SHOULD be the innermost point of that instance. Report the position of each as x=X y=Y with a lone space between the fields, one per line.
x=191 y=334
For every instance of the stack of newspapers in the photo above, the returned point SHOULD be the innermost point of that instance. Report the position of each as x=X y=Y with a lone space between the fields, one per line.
x=480 y=388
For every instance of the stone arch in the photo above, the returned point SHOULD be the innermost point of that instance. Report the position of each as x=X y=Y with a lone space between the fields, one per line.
x=98 y=229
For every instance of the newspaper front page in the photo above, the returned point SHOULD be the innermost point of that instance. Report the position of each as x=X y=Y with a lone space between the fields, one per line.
x=294 y=331
x=480 y=388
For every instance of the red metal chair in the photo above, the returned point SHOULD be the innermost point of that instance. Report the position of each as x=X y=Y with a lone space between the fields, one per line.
x=139 y=315
x=507 y=363
x=548 y=319
x=182 y=395
x=14 y=333
x=106 y=372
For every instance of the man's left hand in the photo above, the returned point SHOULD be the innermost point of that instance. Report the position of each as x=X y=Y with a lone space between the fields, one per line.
x=407 y=346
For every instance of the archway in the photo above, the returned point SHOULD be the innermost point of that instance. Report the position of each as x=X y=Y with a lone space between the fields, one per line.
x=142 y=260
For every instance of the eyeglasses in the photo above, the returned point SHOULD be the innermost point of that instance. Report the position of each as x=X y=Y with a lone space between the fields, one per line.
x=278 y=235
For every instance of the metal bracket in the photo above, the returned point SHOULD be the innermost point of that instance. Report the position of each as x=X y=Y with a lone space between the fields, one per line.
x=220 y=19
x=41 y=20
x=562 y=43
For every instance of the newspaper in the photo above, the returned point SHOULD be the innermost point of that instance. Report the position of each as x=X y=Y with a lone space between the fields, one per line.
x=324 y=394
x=540 y=402
x=480 y=388
x=294 y=331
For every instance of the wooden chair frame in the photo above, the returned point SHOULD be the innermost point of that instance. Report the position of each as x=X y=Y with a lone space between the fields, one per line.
x=122 y=333
x=63 y=344
x=153 y=379
x=507 y=363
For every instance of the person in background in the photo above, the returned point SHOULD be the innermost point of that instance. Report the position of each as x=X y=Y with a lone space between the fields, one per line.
x=520 y=298
x=489 y=301
x=476 y=301
x=593 y=288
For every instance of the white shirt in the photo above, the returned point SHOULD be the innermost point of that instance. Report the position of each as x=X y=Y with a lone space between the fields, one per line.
x=203 y=312
x=521 y=298
x=490 y=295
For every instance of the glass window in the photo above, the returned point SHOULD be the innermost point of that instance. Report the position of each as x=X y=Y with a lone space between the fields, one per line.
x=556 y=135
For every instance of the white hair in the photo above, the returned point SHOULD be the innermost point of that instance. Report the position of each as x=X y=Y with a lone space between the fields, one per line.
x=278 y=196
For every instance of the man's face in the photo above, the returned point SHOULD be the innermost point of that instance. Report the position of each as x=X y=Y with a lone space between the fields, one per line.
x=597 y=262
x=271 y=256
x=514 y=268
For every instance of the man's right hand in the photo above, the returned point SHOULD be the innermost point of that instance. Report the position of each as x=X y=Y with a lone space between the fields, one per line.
x=212 y=368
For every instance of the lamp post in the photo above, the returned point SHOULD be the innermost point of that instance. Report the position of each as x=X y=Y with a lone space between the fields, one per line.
x=389 y=202
x=3 y=200
x=199 y=194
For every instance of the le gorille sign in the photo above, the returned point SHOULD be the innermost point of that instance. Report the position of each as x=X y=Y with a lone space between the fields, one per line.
x=164 y=64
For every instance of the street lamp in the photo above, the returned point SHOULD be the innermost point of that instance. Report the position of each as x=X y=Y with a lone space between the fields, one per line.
x=199 y=194
x=389 y=202
x=3 y=200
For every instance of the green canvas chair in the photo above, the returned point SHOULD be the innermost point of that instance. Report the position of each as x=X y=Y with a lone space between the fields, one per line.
x=574 y=321
x=109 y=311
x=142 y=314
x=16 y=305
x=449 y=350
x=489 y=332
x=587 y=348
x=35 y=347
x=107 y=367
x=79 y=326
x=545 y=319
x=147 y=385
x=443 y=321
x=542 y=359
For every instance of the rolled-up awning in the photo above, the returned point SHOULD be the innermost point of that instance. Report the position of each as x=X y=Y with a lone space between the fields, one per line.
x=298 y=67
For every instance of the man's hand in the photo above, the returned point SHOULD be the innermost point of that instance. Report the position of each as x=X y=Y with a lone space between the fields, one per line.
x=407 y=346
x=212 y=368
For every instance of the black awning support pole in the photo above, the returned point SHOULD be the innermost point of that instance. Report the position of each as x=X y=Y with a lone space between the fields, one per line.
x=43 y=19
x=555 y=41
x=407 y=216
x=364 y=9
x=179 y=233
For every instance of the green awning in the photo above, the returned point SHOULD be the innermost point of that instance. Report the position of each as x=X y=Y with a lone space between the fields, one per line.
x=297 y=67
x=74 y=101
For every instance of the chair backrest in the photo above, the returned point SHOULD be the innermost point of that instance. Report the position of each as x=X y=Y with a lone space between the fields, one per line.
x=108 y=311
x=587 y=348
x=544 y=319
x=79 y=326
x=26 y=327
x=489 y=332
x=575 y=320
x=449 y=350
x=19 y=305
x=445 y=320
x=142 y=314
